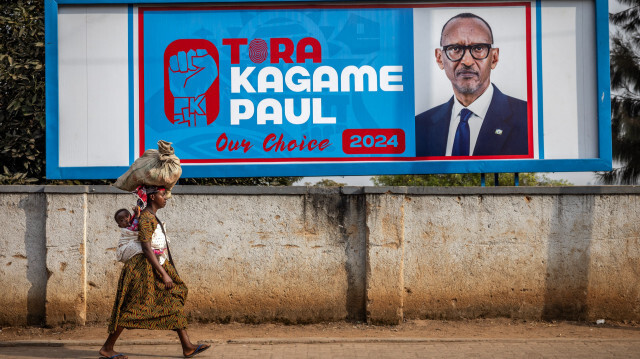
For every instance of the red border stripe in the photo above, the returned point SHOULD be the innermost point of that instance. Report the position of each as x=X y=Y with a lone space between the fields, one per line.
x=332 y=6
x=141 y=78
x=351 y=159
x=529 y=83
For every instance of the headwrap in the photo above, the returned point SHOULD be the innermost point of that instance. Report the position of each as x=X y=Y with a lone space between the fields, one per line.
x=143 y=191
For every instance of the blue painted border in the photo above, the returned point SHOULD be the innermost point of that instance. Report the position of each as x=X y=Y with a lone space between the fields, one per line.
x=355 y=169
x=602 y=163
x=604 y=79
x=51 y=88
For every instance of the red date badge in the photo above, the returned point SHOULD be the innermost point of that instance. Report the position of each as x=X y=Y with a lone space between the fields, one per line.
x=373 y=141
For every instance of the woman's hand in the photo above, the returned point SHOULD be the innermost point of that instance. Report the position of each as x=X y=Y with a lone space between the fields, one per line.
x=168 y=282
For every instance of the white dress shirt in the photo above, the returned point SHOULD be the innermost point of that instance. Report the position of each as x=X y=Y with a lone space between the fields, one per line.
x=479 y=107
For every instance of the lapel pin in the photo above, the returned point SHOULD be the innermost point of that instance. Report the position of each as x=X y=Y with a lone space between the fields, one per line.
x=498 y=131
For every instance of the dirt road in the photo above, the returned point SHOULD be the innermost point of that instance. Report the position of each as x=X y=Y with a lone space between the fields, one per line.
x=486 y=338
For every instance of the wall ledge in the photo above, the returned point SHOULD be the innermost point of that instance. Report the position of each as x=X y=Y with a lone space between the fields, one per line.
x=348 y=190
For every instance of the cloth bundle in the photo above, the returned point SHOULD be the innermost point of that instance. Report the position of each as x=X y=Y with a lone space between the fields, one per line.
x=159 y=167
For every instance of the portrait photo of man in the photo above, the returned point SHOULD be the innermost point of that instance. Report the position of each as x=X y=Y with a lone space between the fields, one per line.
x=479 y=119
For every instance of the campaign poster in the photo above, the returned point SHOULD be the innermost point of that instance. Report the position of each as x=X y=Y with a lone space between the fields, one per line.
x=336 y=84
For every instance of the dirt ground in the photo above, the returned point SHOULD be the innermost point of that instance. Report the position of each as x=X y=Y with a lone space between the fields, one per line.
x=477 y=328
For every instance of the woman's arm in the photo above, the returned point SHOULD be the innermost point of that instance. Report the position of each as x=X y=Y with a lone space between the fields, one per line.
x=151 y=257
x=147 y=226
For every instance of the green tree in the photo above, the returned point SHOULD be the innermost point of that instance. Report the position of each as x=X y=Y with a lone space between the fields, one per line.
x=466 y=179
x=325 y=182
x=625 y=99
x=240 y=181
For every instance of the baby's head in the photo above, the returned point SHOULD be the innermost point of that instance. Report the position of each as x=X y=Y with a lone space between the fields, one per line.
x=123 y=218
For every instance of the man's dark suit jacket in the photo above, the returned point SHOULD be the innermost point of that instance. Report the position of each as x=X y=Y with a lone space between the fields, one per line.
x=506 y=115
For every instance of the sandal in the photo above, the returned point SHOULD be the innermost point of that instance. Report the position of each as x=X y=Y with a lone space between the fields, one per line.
x=199 y=349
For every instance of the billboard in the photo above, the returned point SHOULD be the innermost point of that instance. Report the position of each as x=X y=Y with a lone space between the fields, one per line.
x=328 y=89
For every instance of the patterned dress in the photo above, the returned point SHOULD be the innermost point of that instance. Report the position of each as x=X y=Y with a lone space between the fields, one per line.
x=142 y=300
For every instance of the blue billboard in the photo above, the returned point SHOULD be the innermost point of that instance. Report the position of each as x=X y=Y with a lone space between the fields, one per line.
x=323 y=89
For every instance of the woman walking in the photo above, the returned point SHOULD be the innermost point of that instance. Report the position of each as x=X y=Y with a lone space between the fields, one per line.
x=150 y=293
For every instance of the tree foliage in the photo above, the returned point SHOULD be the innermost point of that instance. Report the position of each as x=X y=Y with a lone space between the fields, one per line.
x=22 y=97
x=326 y=182
x=466 y=179
x=625 y=99
x=240 y=181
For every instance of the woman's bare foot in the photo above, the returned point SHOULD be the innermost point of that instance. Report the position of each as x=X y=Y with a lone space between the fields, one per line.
x=195 y=350
x=107 y=348
x=111 y=354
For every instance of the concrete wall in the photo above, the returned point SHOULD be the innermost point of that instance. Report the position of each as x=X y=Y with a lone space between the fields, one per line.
x=298 y=254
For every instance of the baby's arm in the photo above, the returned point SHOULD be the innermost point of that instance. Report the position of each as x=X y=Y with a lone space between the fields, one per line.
x=136 y=212
x=136 y=216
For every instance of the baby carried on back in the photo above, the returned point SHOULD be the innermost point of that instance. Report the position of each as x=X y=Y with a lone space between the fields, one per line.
x=129 y=245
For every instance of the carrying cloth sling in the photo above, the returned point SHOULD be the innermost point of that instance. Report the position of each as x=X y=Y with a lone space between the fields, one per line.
x=128 y=245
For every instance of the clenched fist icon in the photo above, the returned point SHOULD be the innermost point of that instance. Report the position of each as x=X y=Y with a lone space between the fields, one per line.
x=191 y=82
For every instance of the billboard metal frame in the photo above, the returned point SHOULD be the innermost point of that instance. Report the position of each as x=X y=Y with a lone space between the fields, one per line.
x=602 y=163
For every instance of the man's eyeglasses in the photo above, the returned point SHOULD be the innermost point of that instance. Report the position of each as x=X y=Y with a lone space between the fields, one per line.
x=477 y=51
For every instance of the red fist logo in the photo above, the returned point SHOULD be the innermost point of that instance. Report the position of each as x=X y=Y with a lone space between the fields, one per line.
x=191 y=82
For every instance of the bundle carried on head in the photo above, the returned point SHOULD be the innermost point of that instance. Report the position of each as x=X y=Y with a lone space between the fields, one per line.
x=159 y=167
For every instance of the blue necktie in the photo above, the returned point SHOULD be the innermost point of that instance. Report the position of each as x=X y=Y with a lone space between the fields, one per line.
x=461 y=141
